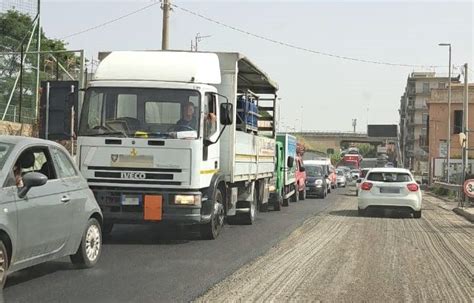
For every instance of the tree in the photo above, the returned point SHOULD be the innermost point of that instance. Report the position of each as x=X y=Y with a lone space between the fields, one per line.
x=367 y=150
x=15 y=30
x=336 y=158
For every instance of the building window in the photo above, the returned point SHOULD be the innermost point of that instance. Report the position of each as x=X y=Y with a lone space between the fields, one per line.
x=457 y=121
x=426 y=87
x=424 y=119
x=441 y=85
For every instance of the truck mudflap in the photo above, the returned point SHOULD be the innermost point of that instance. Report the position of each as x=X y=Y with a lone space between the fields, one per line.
x=132 y=207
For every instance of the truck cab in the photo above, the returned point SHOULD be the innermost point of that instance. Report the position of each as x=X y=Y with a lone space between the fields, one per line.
x=157 y=141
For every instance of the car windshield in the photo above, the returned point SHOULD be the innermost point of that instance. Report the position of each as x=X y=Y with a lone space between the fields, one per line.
x=389 y=177
x=340 y=173
x=314 y=171
x=134 y=112
x=5 y=149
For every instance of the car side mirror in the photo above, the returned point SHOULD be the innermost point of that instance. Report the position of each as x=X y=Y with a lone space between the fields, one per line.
x=359 y=181
x=31 y=180
x=418 y=182
x=291 y=162
x=326 y=176
x=227 y=114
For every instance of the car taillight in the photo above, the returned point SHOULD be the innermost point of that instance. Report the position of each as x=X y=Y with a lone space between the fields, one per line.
x=366 y=186
x=413 y=187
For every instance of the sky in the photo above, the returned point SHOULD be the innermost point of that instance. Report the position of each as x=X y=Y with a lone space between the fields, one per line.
x=317 y=92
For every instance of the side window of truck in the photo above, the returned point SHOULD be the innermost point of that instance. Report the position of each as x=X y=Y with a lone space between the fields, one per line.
x=210 y=115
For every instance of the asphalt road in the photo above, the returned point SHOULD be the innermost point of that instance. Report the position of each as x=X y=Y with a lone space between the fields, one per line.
x=149 y=264
x=339 y=256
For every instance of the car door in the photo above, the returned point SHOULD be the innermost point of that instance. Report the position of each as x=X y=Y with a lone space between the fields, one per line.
x=75 y=189
x=44 y=217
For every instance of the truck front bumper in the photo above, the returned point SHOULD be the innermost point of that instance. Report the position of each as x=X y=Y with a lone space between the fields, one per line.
x=114 y=210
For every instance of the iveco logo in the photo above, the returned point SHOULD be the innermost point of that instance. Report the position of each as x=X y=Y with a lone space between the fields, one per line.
x=130 y=175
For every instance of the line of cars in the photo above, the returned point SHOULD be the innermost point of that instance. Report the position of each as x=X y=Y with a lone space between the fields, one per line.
x=322 y=177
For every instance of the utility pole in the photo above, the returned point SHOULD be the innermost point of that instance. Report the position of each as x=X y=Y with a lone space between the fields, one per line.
x=38 y=59
x=465 y=129
x=166 y=6
x=354 y=124
x=448 y=154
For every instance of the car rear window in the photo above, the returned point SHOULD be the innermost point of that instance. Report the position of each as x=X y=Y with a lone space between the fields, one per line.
x=5 y=150
x=389 y=177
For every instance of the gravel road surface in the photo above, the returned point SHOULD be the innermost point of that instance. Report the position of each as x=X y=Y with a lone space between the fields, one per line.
x=337 y=256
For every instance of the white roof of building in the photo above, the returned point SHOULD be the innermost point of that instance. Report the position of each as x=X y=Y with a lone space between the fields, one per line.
x=165 y=66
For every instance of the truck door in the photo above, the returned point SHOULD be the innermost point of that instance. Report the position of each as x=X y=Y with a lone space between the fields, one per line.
x=210 y=124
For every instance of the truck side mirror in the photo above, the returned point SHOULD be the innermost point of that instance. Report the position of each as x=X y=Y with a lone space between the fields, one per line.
x=291 y=162
x=227 y=114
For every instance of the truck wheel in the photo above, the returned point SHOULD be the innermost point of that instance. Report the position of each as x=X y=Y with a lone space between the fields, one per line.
x=90 y=248
x=212 y=229
x=249 y=217
x=3 y=264
x=277 y=203
x=263 y=208
x=295 y=196
x=286 y=202
x=107 y=228
x=303 y=195
x=417 y=214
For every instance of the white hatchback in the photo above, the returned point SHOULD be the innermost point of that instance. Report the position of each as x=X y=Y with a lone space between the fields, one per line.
x=390 y=188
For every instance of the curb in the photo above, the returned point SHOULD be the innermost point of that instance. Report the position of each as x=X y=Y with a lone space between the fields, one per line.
x=462 y=212
x=458 y=210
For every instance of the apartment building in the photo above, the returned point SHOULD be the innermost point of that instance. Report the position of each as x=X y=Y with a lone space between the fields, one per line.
x=438 y=129
x=414 y=118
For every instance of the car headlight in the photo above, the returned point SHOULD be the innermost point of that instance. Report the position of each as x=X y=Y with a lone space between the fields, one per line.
x=318 y=182
x=187 y=200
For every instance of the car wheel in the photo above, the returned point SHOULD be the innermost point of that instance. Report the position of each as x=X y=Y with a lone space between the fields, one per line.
x=361 y=212
x=212 y=229
x=3 y=264
x=107 y=228
x=90 y=248
x=417 y=214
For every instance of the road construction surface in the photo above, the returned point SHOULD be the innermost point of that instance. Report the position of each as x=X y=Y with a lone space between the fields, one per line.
x=313 y=250
x=338 y=256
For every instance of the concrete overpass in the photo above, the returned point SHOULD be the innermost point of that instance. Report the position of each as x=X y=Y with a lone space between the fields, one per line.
x=323 y=140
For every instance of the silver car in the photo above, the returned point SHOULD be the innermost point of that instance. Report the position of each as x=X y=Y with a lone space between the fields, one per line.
x=47 y=210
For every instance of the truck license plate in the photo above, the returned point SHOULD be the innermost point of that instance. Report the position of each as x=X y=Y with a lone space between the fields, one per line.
x=130 y=200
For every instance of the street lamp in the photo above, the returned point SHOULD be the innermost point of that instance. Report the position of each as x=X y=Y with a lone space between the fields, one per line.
x=448 y=156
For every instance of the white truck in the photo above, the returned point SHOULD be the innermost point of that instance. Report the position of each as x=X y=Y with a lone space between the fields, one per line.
x=177 y=137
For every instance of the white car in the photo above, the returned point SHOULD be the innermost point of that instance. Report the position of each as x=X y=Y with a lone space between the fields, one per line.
x=393 y=188
x=341 y=178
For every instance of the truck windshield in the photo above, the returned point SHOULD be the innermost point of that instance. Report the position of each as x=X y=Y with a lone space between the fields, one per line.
x=140 y=112
x=5 y=150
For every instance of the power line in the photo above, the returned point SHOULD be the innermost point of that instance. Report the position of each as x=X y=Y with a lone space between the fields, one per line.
x=300 y=47
x=110 y=21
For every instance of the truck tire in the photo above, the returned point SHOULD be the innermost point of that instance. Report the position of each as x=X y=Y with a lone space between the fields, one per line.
x=107 y=228
x=417 y=214
x=295 y=197
x=249 y=218
x=3 y=264
x=303 y=194
x=90 y=248
x=212 y=229
x=277 y=203
x=286 y=202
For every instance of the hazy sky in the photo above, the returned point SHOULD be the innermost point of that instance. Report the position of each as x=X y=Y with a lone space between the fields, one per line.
x=326 y=92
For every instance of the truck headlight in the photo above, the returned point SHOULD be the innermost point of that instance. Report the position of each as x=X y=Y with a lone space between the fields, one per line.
x=187 y=200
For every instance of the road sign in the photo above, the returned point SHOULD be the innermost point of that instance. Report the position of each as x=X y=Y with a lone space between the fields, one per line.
x=469 y=188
